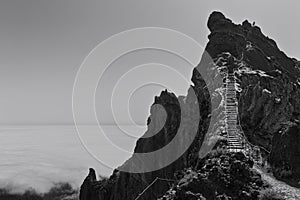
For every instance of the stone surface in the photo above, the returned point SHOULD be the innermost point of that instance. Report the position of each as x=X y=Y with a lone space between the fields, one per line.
x=222 y=175
x=87 y=190
x=285 y=153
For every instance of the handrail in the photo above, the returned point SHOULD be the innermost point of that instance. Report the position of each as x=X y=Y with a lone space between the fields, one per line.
x=156 y=179
x=243 y=136
x=246 y=137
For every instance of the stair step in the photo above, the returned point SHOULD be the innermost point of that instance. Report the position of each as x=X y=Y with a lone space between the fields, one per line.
x=231 y=103
x=231 y=117
x=232 y=137
x=234 y=140
x=231 y=107
x=231 y=99
x=231 y=111
x=236 y=145
x=236 y=149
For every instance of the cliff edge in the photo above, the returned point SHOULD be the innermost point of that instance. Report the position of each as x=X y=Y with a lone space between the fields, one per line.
x=269 y=113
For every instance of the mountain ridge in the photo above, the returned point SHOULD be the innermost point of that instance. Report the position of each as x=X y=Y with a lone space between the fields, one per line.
x=268 y=111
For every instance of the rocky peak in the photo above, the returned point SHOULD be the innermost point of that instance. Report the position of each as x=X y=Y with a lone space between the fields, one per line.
x=268 y=87
x=217 y=21
x=87 y=190
x=247 y=42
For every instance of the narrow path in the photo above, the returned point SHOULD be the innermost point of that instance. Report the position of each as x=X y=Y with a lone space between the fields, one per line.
x=235 y=137
x=288 y=192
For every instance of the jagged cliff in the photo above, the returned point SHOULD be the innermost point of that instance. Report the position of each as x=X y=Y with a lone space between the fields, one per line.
x=269 y=112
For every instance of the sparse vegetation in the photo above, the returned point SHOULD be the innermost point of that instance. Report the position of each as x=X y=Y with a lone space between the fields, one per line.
x=283 y=172
x=270 y=194
x=221 y=175
x=218 y=152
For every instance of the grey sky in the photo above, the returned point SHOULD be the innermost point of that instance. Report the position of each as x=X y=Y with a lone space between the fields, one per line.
x=43 y=43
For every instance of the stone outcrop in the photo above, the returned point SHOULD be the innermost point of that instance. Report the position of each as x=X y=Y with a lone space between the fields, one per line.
x=87 y=190
x=123 y=185
x=222 y=175
x=269 y=84
x=268 y=96
x=285 y=153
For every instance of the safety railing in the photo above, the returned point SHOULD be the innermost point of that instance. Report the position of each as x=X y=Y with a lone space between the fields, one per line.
x=152 y=183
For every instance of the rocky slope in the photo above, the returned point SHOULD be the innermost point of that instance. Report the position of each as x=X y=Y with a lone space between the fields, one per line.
x=269 y=111
x=222 y=175
x=285 y=153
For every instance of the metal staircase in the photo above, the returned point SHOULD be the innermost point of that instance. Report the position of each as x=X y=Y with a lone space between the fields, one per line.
x=237 y=142
x=233 y=130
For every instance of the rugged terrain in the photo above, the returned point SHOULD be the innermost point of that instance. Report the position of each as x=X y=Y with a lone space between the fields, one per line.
x=269 y=112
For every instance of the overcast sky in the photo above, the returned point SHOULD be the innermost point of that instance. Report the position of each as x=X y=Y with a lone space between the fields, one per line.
x=43 y=43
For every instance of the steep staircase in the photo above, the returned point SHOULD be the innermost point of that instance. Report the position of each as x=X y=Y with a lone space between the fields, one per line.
x=237 y=142
x=233 y=130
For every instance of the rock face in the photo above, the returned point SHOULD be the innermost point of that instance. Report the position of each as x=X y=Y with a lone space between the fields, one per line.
x=221 y=175
x=285 y=153
x=122 y=185
x=268 y=88
x=87 y=191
